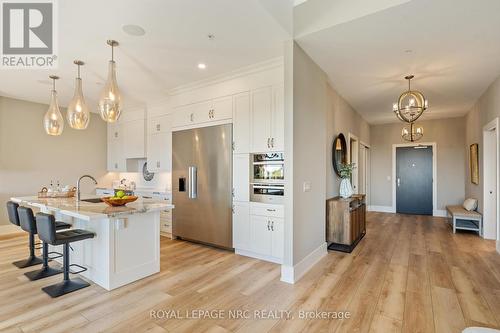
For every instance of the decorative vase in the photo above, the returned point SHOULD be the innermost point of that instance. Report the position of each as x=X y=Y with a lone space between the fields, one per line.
x=345 y=188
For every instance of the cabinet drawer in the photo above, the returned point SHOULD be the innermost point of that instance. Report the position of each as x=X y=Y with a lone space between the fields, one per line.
x=267 y=210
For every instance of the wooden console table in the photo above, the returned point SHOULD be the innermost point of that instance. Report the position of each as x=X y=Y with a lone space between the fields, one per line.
x=345 y=222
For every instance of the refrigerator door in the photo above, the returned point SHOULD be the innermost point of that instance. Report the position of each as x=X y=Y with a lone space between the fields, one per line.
x=202 y=185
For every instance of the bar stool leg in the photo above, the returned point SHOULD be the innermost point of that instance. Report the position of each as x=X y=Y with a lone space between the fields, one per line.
x=46 y=270
x=32 y=259
x=67 y=286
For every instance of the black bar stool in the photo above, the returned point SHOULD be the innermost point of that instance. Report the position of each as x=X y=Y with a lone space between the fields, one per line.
x=14 y=219
x=46 y=226
x=28 y=223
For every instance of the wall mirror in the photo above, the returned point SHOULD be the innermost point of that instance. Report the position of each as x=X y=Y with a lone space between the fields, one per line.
x=339 y=153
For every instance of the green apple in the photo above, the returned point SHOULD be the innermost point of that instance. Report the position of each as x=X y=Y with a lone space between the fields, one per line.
x=120 y=194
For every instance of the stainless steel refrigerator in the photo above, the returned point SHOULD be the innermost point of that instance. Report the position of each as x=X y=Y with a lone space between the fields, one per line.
x=202 y=185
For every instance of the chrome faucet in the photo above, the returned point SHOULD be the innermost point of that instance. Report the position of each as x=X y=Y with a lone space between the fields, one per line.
x=78 y=185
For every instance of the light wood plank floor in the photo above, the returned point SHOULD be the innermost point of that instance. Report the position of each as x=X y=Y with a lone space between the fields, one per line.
x=409 y=274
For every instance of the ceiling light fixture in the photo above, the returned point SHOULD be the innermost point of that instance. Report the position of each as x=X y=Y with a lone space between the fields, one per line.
x=53 y=121
x=202 y=66
x=133 y=30
x=411 y=104
x=78 y=114
x=110 y=100
x=412 y=133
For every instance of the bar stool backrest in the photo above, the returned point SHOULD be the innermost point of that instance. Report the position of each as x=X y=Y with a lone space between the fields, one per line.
x=46 y=226
x=12 y=212
x=27 y=219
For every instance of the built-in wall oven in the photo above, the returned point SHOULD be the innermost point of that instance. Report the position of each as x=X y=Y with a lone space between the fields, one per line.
x=268 y=178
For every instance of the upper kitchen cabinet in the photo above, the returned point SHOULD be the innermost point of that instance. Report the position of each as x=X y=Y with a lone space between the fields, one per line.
x=267 y=119
x=116 y=158
x=160 y=144
x=196 y=114
x=241 y=123
x=126 y=139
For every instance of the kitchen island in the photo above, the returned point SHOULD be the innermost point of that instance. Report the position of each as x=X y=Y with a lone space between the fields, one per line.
x=126 y=247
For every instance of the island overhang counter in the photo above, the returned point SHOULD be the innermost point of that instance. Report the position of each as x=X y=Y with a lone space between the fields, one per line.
x=126 y=247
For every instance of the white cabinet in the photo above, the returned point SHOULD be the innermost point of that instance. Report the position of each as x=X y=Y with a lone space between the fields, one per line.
x=259 y=233
x=241 y=123
x=203 y=112
x=134 y=138
x=278 y=119
x=267 y=119
x=261 y=103
x=241 y=225
x=278 y=237
x=222 y=108
x=126 y=140
x=115 y=156
x=241 y=177
x=159 y=149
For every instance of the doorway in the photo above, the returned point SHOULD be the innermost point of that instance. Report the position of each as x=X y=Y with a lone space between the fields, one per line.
x=364 y=171
x=354 y=158
x=490 y=181
x=414 y=175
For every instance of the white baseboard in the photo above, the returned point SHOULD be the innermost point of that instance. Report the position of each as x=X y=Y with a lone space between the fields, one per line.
x=292 y=274
x=498 y=246
x=381 y=209
x=439 y=212
x=258 y=256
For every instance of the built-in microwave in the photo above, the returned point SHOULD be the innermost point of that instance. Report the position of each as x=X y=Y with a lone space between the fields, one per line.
x=268 y=168
x=268 y=178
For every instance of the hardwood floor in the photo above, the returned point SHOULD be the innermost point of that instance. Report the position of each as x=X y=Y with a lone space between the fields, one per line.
x=409 y=274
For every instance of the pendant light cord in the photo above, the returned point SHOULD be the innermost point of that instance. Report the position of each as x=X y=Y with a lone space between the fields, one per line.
x=112 y=52
x=53 y=84
x=78 y=71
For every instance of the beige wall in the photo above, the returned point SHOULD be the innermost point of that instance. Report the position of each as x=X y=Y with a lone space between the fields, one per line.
x=486 y=109
x=310 y=105
x=341 y=118
x=29 y=158
x=314 y=115
x=448 y=134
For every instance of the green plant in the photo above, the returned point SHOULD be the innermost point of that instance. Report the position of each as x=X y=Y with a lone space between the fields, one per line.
x=345 y=170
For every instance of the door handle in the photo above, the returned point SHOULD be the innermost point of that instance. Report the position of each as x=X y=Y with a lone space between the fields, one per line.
x=268 y=143
x=399 y=182
x=268 y=228
x=272 y=226
x=272 y=142
x=192 y=182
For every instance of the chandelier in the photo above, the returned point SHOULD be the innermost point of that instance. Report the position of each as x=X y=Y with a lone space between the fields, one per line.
x=412 y=133
x=411 y=104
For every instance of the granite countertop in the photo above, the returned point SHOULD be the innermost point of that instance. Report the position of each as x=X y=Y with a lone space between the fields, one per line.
x=90 y=211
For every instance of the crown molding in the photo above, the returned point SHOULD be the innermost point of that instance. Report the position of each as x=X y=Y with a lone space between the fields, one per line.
x=243 y=71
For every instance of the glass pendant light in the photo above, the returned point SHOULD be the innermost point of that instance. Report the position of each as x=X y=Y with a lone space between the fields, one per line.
x=109 y=101
x=53 y=121
x=412 y=133
x=78 y=115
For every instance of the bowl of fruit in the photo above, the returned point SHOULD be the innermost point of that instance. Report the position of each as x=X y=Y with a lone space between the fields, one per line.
x=119 y=199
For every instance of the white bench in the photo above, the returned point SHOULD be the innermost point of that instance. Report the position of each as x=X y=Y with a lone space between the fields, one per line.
x=463 y=219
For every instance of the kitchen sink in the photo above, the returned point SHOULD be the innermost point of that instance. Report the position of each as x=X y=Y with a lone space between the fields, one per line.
x=93 y=200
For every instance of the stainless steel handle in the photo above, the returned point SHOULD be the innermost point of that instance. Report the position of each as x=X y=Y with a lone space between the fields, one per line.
x=192 y=182
x=268 y=228
x=116 y=134
x=271 y=210
x=272 y=226
x=191 y=117
x=268 y=144
x=399 y=182
x=272 y=142
x=158 y=127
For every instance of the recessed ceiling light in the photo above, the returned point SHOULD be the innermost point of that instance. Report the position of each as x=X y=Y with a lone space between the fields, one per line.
x=408 y=51
x=133 y=30
x=202 y=66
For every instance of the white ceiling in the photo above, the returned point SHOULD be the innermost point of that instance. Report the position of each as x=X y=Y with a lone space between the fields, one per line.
x=165 y=58
x=455 y=52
